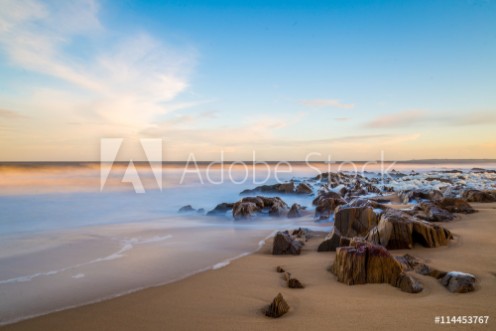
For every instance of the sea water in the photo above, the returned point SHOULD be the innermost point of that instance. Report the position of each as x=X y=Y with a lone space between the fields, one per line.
x=67 y=240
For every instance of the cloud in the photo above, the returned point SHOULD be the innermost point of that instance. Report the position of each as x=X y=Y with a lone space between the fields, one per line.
x=129 y=83
x=9 y=114
x=401 y=119
x=326 y=103
x=410 y=117
x=342 y=119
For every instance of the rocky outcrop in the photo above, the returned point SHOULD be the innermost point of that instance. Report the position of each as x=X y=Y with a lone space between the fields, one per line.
x=295 y=211
x=455 y=205
x=286 y=244
x=276 y=206
x=277 y=308
x=332 y=241
x=419 y=195
x=282 y=188
x=186 y=209
x=459 y=282
x=431 y=212
x=351 y=221
x=398 y=230
x=303 y=188
x=479 y=196
x=245 y=210
x=365 y=263
x=220 y=209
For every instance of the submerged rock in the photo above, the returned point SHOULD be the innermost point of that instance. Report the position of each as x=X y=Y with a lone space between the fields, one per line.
x=286 y=244
x=277 y=308
x=295 y=211
x=186 y=209
x=220 y=209
x=245 y=210
x=304 y=188
x=432 y=213
x=459 y=282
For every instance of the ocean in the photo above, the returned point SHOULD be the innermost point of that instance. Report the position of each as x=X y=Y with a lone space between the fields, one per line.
x=68 y=238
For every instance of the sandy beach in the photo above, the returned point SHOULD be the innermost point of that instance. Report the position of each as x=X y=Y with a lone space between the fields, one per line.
x=231 y=298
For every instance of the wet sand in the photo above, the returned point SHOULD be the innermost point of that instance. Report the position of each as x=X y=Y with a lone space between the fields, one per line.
x=231 y=298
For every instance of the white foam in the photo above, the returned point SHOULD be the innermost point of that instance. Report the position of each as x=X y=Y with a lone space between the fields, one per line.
x=78 y=276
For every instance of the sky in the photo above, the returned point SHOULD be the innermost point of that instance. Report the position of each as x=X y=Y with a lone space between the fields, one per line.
x=242 y=80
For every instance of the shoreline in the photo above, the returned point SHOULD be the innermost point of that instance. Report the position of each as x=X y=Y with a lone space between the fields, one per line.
x=232 y=297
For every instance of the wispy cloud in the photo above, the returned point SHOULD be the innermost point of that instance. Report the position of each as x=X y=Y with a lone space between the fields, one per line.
x=342 y=119
x=9 y=114
x=412 y=117
x=401 y=119
x=326 y=103
x=134 y=79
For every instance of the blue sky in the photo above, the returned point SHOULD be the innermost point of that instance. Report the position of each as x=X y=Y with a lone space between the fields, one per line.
x=414 y=79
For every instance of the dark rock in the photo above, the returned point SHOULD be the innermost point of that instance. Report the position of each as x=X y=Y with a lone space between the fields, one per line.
x=279 y=269
x=455 y=205
x=439 y=179
x=244 y=210
x=367 y=263
x=295 y=211
x=331 y=242
x=256 y=200
x=398 y=230
x=304 y=188
x=480 y=196
x=294 y=283
x=352 y=222
x=285 y=244
x=220 y=209
x=186 y=209
x=325 y=196
x=201 y=211
x=277 y=308
x=418 y=195
x=288 y=187
x=459 y=282
x=407 y=283
x=433 y=213
x=412 y=263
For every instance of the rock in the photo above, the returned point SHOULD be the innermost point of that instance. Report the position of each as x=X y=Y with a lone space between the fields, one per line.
x=455 y=205
x=418 y=195
x=351 y=222
x=459 y=282
x=256 y=200
x=326 y=207
x=432 y=213
x=301 y=234
x=186 y=209
x=201 y=211
x=331 y=242
x=366 y=263
x=277 y=308
x=220 y=209
x=304 y=188
x=407 y=283
x=294 y=212
x=277 y=207
x=398 y=230
x=285 y=244
x=276 y=188
x=244 y=210
x=479 y=196
x=279 y=269
x=326 y=195
x=439 y=179
x=412 y=263
x=294 y=283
